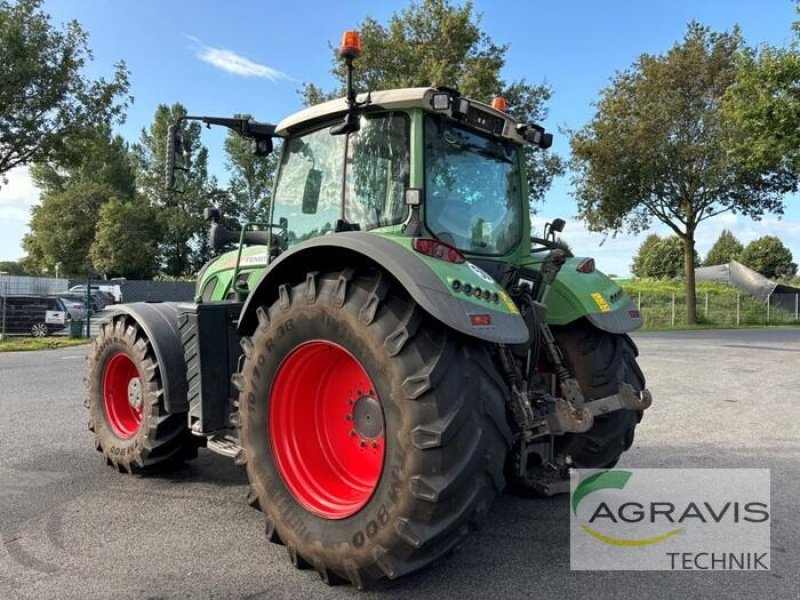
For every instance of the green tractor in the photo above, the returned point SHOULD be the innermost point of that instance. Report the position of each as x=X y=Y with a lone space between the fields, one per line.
x=389 y=353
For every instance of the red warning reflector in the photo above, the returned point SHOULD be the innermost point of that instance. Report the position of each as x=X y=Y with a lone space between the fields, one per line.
x=480 y=320
x=634 y=314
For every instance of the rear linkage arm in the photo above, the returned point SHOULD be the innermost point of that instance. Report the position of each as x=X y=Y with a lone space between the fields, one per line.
x=539 y=414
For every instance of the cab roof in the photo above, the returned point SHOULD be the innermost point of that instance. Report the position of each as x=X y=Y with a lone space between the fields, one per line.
x=398 y=99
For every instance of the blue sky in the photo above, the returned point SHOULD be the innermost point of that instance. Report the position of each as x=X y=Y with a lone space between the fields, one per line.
x=221 y=58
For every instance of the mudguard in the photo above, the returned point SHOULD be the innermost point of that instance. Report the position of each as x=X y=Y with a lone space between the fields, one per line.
x=159 y=321
x=592 y=295
x=429 y=281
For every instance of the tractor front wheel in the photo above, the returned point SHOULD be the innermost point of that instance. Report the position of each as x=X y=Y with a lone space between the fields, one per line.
x=374 y=437
x=125 y=398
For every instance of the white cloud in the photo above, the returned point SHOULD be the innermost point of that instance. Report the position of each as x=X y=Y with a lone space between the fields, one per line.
x=16 y=198
x=18 y=195
x=233 y=63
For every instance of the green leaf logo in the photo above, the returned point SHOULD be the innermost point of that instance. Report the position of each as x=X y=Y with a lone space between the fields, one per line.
x=599 y=481
x=612 y=480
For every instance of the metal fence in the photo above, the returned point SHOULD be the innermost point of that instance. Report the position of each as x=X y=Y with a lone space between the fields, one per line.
x=27 y=309
x=136 y=290
x=661 y=310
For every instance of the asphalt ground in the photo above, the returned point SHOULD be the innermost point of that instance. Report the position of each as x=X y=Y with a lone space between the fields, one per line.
x=73 y=528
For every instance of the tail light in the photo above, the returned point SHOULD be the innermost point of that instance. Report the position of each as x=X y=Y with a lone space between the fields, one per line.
x=438 y=249
x=585 y=266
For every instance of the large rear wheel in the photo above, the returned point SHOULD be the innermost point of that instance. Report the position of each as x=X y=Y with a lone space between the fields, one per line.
x=124 y=395
x=600 y=361
x=374 y=437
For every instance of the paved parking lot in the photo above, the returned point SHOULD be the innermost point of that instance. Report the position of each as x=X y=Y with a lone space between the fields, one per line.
x=73 y=528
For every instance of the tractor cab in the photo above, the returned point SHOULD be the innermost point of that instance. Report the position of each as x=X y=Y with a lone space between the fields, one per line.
x=418 y=162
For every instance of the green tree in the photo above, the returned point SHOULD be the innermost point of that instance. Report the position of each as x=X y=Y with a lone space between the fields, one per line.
x=45 y=98
x=658 y=148
x=645 y=248
x=12 y=267
x=660 y=258
x=126 y=239
x=251 y=178
x=62 y=228
x=436 y=43
x=764 y=105
x=770 y=257
x=724 y=250
x=182 y=246
x=94 y=155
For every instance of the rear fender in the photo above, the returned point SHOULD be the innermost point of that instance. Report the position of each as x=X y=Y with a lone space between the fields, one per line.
x=591 y=295
x=429 y=281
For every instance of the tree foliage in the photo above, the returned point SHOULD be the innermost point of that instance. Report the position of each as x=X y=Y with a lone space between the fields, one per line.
x=63 y=228
x=437 y=43
x=45 y=98
x=75 y=186
x=183 y=247
x=94 y=155
x=12 y=267
x=724 y=250
x=645 y=248
x=126 y=239
x=764 y=104
x=770 y=257
x=660 y=258
x=658 y=147
x=251 y=178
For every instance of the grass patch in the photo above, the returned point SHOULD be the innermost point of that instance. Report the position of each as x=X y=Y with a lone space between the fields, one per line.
x=718 y=306
x=20 y=344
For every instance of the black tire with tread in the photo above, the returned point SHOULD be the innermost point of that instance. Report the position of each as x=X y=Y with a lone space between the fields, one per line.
x=446 y=429
x=163 y=439
x=600 y=361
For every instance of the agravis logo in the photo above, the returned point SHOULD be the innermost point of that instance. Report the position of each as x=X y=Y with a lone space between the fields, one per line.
x=611 y=480
x=671 y=519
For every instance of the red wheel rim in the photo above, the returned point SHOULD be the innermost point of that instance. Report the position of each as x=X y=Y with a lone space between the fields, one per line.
x=122 y=395
x=326 y=429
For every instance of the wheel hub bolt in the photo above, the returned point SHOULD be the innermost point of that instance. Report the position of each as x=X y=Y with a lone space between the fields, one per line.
x=368 y=418
x=135 y=393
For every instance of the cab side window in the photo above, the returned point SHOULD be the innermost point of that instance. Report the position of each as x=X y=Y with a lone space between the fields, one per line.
x=378 y=171
x=309 y=190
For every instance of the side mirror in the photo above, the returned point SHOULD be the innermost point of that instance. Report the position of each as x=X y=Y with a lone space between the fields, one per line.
x=175 y=144
x=311 y=191
x=170 y=158
x=550 y=229
x=261 y=146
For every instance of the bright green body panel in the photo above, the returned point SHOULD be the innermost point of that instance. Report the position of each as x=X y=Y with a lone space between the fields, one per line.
x=575 y=294
x=221 y=269
x=461 y=275
x=253 y=262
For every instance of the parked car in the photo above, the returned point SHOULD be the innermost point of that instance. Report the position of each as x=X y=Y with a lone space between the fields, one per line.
x=113 y=290
x=31 y=315
x=99 y=299
x=73 y=304
x=94 y=303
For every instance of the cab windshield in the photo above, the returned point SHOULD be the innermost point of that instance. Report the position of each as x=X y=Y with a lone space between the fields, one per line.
x=472 y=189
